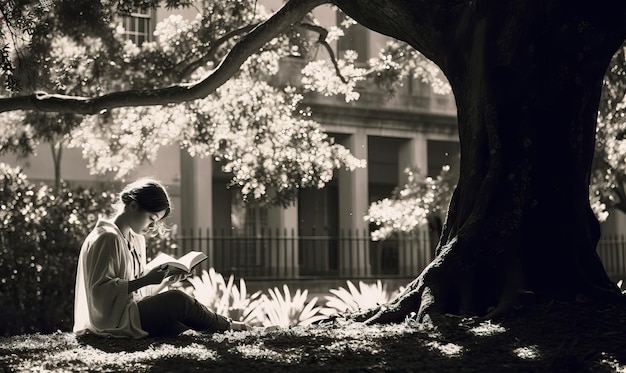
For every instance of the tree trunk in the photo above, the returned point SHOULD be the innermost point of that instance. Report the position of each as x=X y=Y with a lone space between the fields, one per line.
x=527 y=80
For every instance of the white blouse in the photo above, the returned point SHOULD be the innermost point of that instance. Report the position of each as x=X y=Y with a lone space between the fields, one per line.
x=106 y=263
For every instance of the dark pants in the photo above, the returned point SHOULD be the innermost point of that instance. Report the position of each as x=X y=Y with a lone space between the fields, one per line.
x=172 y=312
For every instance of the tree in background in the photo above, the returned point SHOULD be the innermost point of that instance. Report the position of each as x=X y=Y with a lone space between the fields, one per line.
x=424 y=198
x=608 y=179
x=42 y=230
x=257 y=130
x=255 y=124
x=527 y=79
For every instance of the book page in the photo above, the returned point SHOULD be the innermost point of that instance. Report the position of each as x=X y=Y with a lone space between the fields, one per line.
x=160 y=259
x=185 y=263
x=192 y=258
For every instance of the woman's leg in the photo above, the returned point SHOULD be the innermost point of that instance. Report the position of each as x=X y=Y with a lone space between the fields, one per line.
x=174 y=311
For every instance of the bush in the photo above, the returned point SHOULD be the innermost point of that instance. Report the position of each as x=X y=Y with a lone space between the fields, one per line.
x=40 y=237
x=41 y=232
x=284 y=310
x=224 y=298
x=275 y=308
x=352 y=299
x=258 y=309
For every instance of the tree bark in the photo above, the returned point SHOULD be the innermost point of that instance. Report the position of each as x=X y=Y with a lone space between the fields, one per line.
x=527 y=79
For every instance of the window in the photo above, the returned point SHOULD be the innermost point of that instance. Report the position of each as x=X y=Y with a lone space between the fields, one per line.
x=139 y=25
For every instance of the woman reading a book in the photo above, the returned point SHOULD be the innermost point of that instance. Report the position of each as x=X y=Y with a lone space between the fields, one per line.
x=116 y=295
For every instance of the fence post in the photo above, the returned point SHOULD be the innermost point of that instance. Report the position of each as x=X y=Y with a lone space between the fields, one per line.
x=611 y=249
x=411 y=253
x=210 y=262
x=354 y=258
x=622 y=263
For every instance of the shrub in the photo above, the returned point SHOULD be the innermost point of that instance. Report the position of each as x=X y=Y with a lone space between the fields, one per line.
x=366 y=296
x=224 y=298
x=40 y=237
x=156 y=244
x=273 y=308
x=284 y=311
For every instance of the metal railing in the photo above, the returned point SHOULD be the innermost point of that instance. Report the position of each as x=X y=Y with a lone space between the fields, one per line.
x=612 y=251
x=287 y=254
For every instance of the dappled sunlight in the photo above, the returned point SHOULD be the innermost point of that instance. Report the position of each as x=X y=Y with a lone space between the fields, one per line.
x=527 y=352
x=37 y=342
x=487 y=329
x=360 y=331
x=611 y=362
x=258 y=351
x=345 y=329
x=354 y=346
x=447 y=349
x=340 y=339
x=90 y=357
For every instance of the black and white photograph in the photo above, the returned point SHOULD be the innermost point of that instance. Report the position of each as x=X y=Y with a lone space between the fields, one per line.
x=312 y=186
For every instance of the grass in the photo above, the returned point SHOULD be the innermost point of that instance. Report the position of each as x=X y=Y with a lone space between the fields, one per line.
x=550 y=337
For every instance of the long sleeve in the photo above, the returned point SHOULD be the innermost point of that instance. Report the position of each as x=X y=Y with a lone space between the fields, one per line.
x=107 y=279
x=102 y=304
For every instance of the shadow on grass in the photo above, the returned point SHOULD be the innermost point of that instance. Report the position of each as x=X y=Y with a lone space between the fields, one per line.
x=115 y=345
x=553 y=337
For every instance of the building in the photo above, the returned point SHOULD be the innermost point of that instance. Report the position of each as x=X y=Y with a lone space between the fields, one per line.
x=324 y=233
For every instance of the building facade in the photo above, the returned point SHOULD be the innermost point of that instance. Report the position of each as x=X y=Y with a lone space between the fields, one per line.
x=324 y=232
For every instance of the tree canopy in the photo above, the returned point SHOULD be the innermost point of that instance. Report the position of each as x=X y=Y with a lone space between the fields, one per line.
x=88 y=91
x=527 y=79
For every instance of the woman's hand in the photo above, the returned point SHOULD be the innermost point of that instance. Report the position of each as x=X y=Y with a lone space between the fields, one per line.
x=156 y=275
x=173 y=278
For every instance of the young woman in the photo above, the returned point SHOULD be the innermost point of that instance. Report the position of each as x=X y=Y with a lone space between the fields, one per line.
x=114 y=296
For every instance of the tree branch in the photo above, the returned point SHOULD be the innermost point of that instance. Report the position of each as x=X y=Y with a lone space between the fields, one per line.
x=186 y=70
x=290 y=13
x=323 y=33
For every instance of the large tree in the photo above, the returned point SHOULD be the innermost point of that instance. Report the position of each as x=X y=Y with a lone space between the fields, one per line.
x=527 y=78
x=424 y=199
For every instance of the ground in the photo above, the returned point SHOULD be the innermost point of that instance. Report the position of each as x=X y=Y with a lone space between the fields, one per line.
x=552 y=336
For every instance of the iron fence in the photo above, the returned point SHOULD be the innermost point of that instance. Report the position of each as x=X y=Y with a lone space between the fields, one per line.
x=612 y=251
x=295 y=255
x=291 y=254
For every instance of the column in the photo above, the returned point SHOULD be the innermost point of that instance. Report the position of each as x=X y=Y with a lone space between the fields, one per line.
x=413 y=250
x=196 y=191
x=282 y=252
x=354 y=256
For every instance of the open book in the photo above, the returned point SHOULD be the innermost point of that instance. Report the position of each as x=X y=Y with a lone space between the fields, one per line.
x=185 y=263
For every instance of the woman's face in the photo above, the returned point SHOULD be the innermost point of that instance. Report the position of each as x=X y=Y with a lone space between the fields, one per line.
x=143 y=221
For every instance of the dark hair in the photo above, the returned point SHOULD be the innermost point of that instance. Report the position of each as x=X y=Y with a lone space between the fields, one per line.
x=149 y=194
